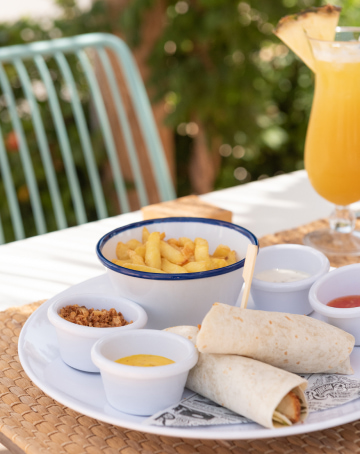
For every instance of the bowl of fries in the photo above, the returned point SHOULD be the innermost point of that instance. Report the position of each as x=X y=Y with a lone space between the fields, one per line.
x=176 y=268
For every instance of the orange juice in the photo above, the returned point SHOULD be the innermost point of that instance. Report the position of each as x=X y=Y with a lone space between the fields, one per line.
x=332 y=149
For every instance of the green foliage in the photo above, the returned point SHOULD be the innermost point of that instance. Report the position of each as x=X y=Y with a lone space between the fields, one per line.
x=219 y=64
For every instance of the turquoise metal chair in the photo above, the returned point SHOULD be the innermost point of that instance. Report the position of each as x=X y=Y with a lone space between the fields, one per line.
x=52 y=64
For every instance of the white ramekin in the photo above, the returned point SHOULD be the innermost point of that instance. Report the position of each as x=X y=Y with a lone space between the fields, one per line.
x=143 y=390
x=288 y=297
x=342 y=281
x=75 y=341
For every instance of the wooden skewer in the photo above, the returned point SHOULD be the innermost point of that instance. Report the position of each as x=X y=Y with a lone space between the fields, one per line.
x=248 y=272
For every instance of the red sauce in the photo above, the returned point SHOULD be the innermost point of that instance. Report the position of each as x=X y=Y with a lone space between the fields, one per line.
x=345 y=302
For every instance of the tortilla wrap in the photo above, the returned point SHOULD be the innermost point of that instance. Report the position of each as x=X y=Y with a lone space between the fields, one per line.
x=245 y=386
x=295 y=343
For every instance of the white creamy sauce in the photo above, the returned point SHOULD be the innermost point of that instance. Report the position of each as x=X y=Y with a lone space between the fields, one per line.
x=281 y=275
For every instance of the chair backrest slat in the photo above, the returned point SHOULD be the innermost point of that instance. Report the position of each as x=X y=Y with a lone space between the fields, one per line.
x=84 y=136
x=2 y=236
x=125 y=126
x=106 y=131
x=43 y=145
x=64 y=142
x=10 y=191
x=146 y=120
x=24 y=154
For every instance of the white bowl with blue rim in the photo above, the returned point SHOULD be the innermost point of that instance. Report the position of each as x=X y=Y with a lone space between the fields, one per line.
x=178 y=299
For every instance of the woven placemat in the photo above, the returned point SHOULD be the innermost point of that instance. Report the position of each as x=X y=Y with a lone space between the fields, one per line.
x=296 y=236
x=37 y=424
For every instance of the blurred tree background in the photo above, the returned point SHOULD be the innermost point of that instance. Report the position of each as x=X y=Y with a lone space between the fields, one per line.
x=226 y=84
x=220 y=69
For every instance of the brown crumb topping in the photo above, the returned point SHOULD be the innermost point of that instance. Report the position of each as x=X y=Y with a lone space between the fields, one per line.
x=80 y=315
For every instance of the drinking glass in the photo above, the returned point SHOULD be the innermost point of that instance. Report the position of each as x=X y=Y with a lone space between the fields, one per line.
x=332 y=147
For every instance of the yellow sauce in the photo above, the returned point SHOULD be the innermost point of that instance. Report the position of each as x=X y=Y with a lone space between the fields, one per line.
x=145 y=360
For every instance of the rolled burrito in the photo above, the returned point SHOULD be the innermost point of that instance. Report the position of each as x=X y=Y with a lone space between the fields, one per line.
x=295 y=343
x=269 y=396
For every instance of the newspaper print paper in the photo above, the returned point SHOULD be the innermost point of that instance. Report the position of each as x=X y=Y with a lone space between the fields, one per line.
x=323 y=392
x=195 y=410
x=327 y=391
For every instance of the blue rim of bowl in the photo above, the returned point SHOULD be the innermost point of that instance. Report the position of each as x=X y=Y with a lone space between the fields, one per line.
x=173 y=277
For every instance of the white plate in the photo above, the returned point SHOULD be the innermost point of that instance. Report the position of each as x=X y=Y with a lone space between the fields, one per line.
x=83 y=392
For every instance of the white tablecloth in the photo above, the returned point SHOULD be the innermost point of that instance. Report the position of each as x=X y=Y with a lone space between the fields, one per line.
x=40 y=267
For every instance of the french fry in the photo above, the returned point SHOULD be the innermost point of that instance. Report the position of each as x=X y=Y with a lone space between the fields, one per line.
x=152 y=251
x=201 y=250
x=195 y=267
x=140 y=250
x=145 y=235
x=147 y=269
x=133 y=244
x=121 y=262
x=171 y=254
x=188 y=247
x=221 y=251
x=183 y=240
x=216 y=262
x=169 y=267
x=174 y=243
x=135 y=258
x=122 y=251
x=231 y=258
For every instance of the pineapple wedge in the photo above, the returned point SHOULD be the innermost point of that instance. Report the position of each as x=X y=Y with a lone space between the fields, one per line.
x=318 y=22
